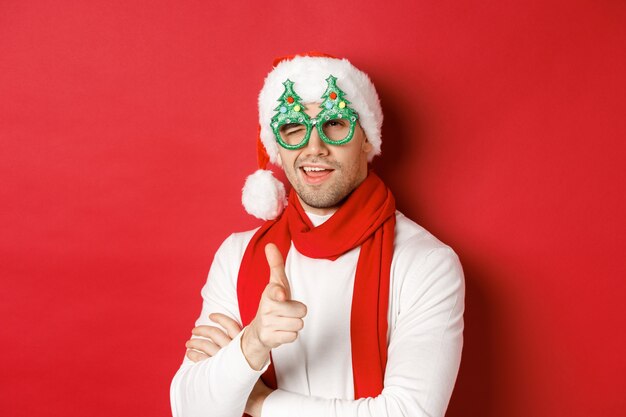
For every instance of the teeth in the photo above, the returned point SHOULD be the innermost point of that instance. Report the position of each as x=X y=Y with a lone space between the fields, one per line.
x=309 y=169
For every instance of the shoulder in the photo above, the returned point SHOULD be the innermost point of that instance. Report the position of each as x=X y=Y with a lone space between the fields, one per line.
x=421 y=260
x=413 y=238
x=234 y=246
x=224 y=270
x=227 y=258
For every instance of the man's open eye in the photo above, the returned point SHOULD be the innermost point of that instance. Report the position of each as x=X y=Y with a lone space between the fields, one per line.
x=335 y=123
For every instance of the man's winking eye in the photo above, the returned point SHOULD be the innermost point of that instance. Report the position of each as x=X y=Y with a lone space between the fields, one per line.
x=292 y=128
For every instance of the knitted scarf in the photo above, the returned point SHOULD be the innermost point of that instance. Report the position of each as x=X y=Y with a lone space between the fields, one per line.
x=366 y=219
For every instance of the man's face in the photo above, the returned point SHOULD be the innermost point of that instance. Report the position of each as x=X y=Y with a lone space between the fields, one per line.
x=323 y=175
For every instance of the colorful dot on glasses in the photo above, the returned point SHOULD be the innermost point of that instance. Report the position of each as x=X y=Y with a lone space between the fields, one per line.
x=342 y=104
x=289 y=99
x=329 y=105
x=333 y=95
x=283 y=109
x=296 y=108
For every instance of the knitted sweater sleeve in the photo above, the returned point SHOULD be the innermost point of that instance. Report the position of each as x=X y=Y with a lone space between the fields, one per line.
x=425 y=345
x=218 y=386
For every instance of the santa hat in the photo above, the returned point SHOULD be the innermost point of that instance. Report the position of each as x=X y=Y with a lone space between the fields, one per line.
x=263 y=195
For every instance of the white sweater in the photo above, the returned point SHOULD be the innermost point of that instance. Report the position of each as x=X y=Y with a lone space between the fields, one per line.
x=314 y=373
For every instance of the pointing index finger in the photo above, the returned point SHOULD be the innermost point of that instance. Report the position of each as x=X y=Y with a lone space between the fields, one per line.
x=277 y=267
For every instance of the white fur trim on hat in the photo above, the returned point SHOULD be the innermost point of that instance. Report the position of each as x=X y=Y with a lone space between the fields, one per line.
x=309 y=76
x=263 y=195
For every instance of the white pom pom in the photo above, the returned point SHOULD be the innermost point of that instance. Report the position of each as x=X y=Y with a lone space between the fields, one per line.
x=263 y=195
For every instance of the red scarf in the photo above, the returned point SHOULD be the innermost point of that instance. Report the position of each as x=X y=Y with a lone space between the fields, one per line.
x=366 y=219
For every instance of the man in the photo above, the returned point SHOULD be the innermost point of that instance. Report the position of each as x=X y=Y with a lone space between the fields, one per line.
x=347 y=307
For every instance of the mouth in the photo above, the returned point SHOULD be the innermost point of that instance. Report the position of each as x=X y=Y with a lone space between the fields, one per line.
x=315 y=174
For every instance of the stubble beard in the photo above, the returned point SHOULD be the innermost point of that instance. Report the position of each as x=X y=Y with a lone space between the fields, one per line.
x=328 y=194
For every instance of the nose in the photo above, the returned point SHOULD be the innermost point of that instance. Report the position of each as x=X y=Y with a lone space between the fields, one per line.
x=316 y=146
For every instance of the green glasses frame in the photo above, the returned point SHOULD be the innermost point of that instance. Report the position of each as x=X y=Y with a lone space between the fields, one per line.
x=291 y=110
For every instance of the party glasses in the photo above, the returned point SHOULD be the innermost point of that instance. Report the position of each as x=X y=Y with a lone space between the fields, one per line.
x=335 y=123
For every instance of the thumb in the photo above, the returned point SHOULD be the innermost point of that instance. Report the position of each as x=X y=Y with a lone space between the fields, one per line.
x=277 y=272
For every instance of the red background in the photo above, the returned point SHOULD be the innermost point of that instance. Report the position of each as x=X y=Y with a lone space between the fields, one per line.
x=127 y=129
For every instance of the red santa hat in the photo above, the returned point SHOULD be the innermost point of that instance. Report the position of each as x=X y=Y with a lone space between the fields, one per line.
x=263 y=195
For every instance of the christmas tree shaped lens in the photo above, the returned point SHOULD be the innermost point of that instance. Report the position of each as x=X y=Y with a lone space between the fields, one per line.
x=336 y=121
x=293 y=134
x=336 y=130
x=291 y=125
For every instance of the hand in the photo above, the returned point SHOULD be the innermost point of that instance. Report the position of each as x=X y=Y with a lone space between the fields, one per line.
x=259 y=393
x=200 y=349
x=278 y=319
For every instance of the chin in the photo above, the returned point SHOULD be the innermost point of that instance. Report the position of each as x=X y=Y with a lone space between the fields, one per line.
x=323 y=199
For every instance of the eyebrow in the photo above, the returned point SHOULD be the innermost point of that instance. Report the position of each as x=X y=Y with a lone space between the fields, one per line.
x=290 y=125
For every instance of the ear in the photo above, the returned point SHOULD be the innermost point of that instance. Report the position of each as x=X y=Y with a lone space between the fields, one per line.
x=279 y=161
x=366 y=147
